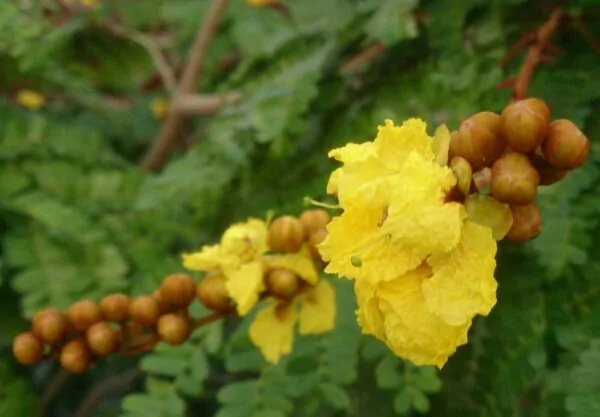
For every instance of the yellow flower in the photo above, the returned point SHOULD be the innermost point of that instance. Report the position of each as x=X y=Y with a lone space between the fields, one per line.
x=393 y=194
x=261 y=3
x=239 y=257
x=272 y=330
x=160 y=108
x=31 y=100
x=425 y=315
x=422 y=268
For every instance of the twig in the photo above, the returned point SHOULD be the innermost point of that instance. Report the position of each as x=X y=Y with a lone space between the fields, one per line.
x=196 y=104
x=534 y=55
x=102 y=388
x=203 y=321
x=583 y=30
x=356 y=62
x=162 y=66
x=53 y=388
x=192 y=76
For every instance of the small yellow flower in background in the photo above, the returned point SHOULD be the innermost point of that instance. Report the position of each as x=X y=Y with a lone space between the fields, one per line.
x=238 y=256
x=422 y=268
x=261 y=3
x=31 y=100
x=160 y=108
x=92 y=4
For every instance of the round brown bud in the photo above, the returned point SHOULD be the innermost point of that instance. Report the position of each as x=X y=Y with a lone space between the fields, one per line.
x=178 y=290
x=566 y=147
x=282 y=283
x=314 y=220
x=286 y=234
x=27 y=349
x=525 y=124
x=173 y=329
x=50 y=326
x=144 y=310
x=162 y=304
x=115 y=307
x=211 y=291
x=75 y=357
x=514 y=179
x=102 y=339
x=314 y=240
x=83 y=314
x=479 y=140
x=527 y=223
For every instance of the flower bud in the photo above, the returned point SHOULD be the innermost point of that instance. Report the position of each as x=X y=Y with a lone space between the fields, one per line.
x=525 y=124
x=514 y=179
x=83 y=314
x=102 y=339
x=566 y=147
x=173 y=329
x=479 y=140
x=212 y=292
x=178 y=289
x=115 y=307
x=548 y=175
x=286 y=234
x=50 y=326
x=527 y=223
x=27 y=349
x=314 y=220
x=482 y=180
x=144 y=310
x=75 y=357
x=487 y=211
x=463 y=172
x=282 y=283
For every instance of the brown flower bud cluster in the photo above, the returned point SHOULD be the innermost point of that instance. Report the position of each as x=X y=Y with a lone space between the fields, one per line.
x=118 y=324
x=513 y=153
x=287 y=234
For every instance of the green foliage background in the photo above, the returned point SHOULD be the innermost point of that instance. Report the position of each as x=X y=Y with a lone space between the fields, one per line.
x=79 y=219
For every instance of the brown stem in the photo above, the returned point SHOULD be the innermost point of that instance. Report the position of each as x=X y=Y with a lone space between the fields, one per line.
x=534 y=55
x=200 y=104
x=192 y=76
x=53 y=388
x=356 y=62
x=203 y=321
x=583 y=30
x=102 y=388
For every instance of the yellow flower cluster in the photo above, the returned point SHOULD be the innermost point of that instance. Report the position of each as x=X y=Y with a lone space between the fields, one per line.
x=421 y=268
x=243 y=258
x=31 y=100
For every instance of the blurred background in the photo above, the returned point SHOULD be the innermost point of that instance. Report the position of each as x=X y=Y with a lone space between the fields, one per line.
x=132 y=131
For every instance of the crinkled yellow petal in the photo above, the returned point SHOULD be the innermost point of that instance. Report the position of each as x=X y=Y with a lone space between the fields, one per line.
x=395 y=143
x=299 y=263
x=357 y=180
x=353 y=152
x=369 y=315
x=334 y=181
x=272 y=331
x=208 y=258
x=244 y=285
x=246 y=240
x=317 y=309
x=463 y=283
x=411 y=331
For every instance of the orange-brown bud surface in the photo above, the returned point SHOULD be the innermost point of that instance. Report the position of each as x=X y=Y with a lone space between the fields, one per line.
x=514 y=179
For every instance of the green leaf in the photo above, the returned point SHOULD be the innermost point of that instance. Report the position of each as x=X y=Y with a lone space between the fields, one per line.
x=393 y=21
x=16 y=397
x=584 y=385
x=161 y=400
x=335 y=395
